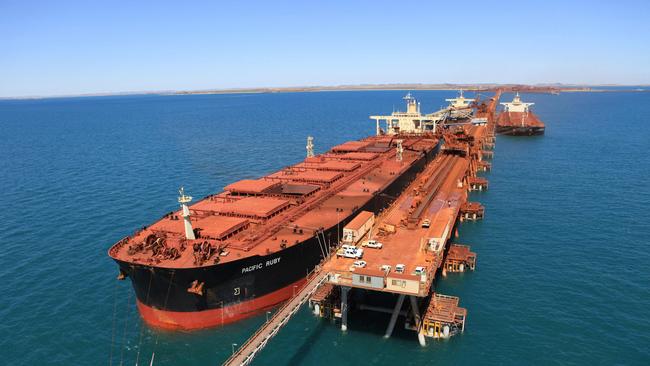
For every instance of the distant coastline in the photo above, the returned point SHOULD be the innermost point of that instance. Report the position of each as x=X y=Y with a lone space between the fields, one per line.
x=364 y=87
x=405 y=86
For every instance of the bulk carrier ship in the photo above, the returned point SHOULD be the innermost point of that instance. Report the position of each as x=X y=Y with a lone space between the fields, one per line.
x=516 y=119
x=237 y=253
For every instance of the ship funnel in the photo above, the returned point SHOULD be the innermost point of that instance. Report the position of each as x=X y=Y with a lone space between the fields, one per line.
x=184 y=199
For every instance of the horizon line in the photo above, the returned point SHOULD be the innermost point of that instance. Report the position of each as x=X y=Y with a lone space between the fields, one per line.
x=316 y=88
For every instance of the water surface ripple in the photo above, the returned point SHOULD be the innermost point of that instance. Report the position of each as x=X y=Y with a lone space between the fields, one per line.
x=562 y=254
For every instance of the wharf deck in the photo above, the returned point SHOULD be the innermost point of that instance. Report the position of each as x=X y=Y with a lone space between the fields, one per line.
x=413 y=233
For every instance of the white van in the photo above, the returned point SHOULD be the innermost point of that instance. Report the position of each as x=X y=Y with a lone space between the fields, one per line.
x=348 y=247
x=355 y=253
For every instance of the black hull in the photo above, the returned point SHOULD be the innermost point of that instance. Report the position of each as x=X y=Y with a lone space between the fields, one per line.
x=520 y=131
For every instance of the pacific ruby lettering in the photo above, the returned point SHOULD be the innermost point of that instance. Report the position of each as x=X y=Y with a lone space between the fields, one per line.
x=257 y=266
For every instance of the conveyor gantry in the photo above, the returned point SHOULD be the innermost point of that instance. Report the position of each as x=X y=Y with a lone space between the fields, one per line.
x=431 y=187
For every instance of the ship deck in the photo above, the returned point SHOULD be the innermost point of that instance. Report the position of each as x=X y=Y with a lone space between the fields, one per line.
x=266 y=215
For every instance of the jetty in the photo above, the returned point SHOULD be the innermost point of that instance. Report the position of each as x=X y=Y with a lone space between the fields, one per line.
x=403 y=250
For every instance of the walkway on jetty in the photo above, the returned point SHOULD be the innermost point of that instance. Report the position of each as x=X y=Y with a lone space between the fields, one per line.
x=258 y=340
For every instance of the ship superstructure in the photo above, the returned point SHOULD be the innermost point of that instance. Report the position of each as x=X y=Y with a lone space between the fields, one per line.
x=237 y=253
x=410 y=122
x=460 y=107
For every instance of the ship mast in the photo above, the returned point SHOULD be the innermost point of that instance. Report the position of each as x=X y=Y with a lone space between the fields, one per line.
x=310 y=147
x=400 y=149
x=184 y=199
x=412 y=105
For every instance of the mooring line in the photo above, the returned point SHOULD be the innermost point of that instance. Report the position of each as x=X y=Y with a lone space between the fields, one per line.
x=137 y=358
x=110 y=357
x=155 y=345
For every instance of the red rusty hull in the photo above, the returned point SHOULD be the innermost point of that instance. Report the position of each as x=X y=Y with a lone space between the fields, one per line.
x=180 y=320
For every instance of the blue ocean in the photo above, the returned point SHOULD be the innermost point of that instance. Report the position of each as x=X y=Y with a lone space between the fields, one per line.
x=563 y=272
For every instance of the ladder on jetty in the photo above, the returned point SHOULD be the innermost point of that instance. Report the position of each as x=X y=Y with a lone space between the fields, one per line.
x=259 y=339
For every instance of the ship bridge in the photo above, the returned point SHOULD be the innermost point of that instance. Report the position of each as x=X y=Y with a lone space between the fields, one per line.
x=516 y=105
x=411 y=121
x=459 y=103
x=460 y=107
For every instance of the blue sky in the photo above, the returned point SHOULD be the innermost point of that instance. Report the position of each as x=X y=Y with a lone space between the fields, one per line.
x=74 y=47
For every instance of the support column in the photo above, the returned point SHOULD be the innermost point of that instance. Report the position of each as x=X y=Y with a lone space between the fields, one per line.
x=463 y=328
x=393 y=318
x=418 y=320
x=344 y=308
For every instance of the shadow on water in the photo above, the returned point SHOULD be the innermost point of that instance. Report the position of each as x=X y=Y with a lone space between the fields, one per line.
x=308 y=343
x=371 y=324
x=375 y=323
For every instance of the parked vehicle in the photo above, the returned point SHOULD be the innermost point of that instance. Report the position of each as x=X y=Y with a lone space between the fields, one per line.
x=372 y=244
x=360 y=264
x=355 y=253
x=348 y=247
x=400 y=268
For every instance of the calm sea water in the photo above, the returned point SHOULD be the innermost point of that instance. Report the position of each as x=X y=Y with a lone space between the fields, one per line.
x=563 y=257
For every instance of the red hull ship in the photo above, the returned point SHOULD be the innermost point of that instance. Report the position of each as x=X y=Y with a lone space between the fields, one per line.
x=237 y=253
x=517 y=120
